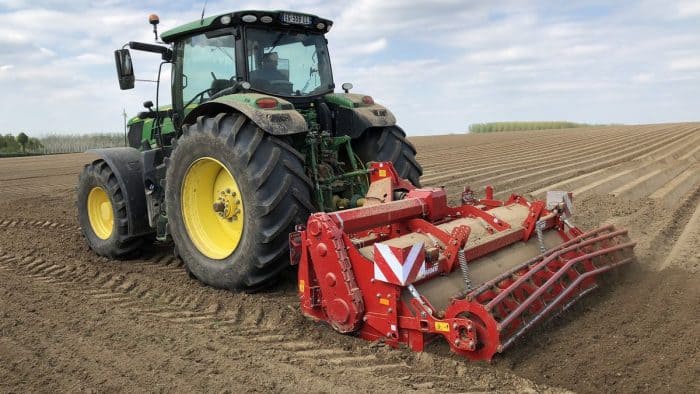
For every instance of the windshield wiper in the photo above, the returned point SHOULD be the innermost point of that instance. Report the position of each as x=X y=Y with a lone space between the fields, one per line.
x=277 y=41
x=224 y=52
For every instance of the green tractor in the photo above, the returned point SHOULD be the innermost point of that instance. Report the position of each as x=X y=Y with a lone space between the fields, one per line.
x=255 y=140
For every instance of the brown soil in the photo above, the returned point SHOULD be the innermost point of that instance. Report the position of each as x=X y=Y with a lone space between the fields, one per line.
x=72 y=321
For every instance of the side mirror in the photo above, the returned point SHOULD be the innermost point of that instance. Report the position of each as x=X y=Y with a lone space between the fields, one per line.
x=125 y=69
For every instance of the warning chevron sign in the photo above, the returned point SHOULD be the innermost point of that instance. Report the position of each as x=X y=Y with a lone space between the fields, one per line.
x=399 y=265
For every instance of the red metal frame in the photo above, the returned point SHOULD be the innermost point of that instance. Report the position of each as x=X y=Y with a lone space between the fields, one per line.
x=339 y=285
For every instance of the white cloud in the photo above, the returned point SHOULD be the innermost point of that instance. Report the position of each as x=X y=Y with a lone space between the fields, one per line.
x=688 y=8
x=437 y=65
x=691 y=63
x=503 y=55
x=643 y=77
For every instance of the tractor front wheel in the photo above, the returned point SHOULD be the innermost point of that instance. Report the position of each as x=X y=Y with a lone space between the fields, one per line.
x=102 y=212
x=234 y=193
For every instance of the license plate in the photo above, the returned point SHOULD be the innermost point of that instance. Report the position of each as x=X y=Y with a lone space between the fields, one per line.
x=296 y=19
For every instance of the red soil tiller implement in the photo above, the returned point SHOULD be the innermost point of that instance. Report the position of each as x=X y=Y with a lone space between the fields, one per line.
x=406 y=267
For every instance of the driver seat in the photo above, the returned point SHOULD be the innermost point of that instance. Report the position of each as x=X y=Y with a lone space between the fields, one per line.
x=218 y=85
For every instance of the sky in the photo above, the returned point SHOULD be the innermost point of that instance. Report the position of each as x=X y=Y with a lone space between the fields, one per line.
x=438 y=65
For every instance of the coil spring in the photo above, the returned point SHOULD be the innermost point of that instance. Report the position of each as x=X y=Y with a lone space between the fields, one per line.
x=462 y=259
x=539 y=226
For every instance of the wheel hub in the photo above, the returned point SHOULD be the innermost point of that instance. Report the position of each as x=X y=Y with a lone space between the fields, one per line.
x=212 y=208
x=227 y=205
x=100 y=213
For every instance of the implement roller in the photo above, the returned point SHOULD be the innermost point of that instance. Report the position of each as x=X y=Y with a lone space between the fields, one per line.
x=406 y=268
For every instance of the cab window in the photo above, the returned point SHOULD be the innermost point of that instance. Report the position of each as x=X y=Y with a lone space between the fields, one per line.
x=208 y=67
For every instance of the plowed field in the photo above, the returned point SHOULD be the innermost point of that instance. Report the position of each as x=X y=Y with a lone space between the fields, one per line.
x=70 y=320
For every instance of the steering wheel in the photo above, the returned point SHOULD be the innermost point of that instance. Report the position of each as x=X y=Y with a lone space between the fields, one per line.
x=208 y=90
x=234 y=88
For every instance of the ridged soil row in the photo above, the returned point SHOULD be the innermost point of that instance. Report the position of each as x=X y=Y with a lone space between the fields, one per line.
x=686 y=250
x=671 y=236
x=506 y=149
x=639 y=177
x=493 y=170
x=557 y=172
x=523 y=154
x=498 y=144
x=536 y=167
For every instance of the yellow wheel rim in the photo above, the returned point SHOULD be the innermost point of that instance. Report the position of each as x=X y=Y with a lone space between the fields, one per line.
x=212 y=208
x=100 y=213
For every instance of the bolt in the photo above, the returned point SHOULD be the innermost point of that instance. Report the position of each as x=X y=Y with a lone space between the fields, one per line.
x=379 y=295
x=228 y=191
x=454 y=326
x=457 y=342
x=390 y=310
x=238 y=202
x=219 y=207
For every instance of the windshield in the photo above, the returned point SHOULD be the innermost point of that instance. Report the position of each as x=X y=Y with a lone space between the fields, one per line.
x=208 y=66
x=288 y=63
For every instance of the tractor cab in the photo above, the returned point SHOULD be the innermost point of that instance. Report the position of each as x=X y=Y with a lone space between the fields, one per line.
x=281 y=54
x=272 y=52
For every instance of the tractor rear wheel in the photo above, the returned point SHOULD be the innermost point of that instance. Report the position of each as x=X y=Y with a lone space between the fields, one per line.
x=102 y=212
x=390 y=144
x=234 y=193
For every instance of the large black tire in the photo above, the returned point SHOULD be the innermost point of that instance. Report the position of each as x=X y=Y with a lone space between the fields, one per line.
x=98 y=174
x=275 y=191
x=389 y=144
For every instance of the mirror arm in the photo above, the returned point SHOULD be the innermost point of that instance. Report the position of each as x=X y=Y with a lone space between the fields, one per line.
x=165 y=52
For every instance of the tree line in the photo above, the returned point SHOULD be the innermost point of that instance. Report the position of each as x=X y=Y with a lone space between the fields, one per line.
x=57 y=143
x=21 y=143
x=518 y=126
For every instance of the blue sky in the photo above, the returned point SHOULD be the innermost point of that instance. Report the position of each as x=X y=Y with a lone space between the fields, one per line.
x=438 y=65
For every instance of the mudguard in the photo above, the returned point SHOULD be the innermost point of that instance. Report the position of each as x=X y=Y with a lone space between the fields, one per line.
x=127 y=167
x=283 y=120
x=354 y=116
